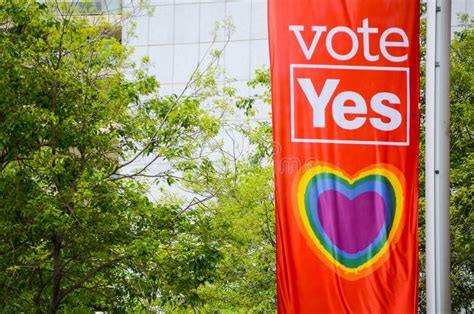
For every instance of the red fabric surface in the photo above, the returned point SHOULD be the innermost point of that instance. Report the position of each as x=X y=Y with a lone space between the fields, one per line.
x=307 y=282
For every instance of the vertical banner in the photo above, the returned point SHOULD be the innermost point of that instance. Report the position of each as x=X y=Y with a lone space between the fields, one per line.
x=345 y=88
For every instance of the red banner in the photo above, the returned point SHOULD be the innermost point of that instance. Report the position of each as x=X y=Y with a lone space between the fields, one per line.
x=345 y=88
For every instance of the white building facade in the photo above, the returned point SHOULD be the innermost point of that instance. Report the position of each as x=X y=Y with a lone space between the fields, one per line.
x=179 y=33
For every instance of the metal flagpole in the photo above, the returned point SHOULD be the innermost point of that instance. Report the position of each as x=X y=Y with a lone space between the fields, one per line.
x=438 y=296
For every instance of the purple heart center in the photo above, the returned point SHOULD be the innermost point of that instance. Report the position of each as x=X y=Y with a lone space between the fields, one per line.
x=352 y=225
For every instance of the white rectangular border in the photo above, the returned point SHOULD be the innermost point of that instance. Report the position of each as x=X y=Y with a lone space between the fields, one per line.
x=348 y=67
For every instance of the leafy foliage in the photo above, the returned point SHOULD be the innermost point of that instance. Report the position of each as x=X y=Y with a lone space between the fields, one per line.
x=461 y=179
x=243 y=225
x=77 y=229
x=462 y=165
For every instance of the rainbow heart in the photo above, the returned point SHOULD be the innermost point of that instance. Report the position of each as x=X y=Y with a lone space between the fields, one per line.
x=350 y=222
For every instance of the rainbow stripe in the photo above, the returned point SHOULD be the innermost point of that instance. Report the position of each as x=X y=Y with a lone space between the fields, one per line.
x=317 y=178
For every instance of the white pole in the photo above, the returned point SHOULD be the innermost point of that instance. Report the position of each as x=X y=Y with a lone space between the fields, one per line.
x=438 y=296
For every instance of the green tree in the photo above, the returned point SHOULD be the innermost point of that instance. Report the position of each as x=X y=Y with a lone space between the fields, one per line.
x=462 y=165
x=242 y=224
x=238 y=181
x=461 y=179
x=77 y=230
